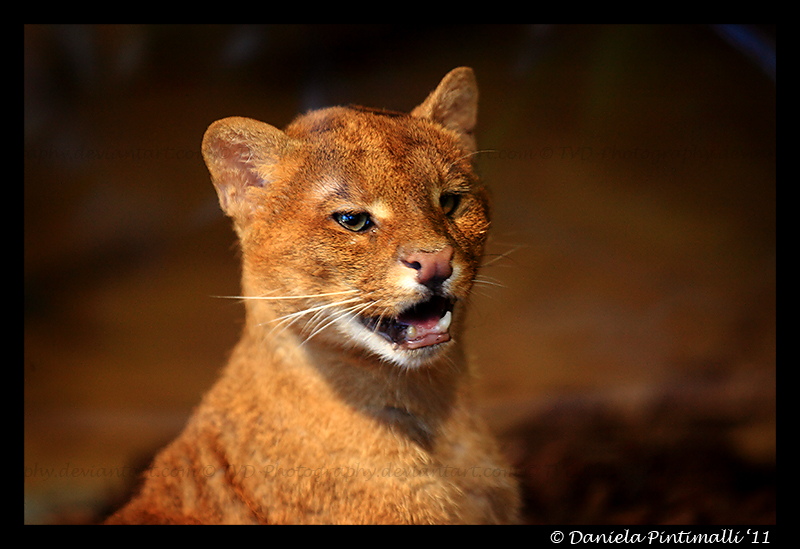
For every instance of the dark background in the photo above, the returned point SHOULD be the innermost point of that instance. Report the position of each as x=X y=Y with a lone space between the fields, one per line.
x=627 y=352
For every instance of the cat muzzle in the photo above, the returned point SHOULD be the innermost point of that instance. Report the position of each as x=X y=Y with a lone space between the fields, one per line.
x=425 y=324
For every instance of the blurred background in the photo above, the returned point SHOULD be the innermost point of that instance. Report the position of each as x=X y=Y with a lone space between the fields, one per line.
x=627 y=346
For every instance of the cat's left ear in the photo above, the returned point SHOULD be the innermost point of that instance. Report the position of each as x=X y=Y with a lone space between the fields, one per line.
x=454 y=105
x=242 y=153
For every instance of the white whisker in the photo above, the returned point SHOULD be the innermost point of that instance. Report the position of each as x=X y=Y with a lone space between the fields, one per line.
x=291 y=318
x=498 y=257
x=470 y=154
x=488 y=281
x=353 y=310
x=267 y=298
x=302 y=312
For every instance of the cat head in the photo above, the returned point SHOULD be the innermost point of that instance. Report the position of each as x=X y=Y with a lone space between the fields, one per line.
x=359 y=228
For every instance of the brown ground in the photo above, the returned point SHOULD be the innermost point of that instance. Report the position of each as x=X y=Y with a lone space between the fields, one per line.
x=628 y=359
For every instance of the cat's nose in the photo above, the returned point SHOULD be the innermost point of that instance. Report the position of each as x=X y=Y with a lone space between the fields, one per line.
x=433 y=268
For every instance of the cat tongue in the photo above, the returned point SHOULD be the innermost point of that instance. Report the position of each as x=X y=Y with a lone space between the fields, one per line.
x=422 y=334
x=423 y=325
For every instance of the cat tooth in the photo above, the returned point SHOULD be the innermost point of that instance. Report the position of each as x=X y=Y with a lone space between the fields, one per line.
x=444 y=323
x=411 y=332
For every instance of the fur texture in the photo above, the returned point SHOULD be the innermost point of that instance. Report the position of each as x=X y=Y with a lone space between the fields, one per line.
x=347 y=399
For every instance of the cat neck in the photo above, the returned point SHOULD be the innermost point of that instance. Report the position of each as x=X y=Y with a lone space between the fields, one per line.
x=414 y=401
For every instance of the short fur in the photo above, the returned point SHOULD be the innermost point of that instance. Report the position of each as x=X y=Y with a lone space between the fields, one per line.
x=331 y=410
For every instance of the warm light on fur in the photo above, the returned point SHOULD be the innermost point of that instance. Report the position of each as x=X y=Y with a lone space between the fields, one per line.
x=347 y=399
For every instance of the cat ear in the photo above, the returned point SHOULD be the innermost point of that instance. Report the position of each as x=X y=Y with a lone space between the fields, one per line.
x=454 y=104
x=242 y=153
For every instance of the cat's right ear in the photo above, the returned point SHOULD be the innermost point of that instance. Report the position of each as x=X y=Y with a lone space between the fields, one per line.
x=454 y=105
x=242 y=153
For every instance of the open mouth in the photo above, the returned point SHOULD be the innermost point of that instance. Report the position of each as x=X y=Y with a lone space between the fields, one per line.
x=425 y=324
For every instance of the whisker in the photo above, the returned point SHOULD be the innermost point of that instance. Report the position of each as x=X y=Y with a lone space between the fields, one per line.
x=317 y=320
x=488 y=281
x=291 y=318
x=383 y=315
x=309 y=296
x=302 y=312
x=335 y=318
x=498 y=257
x=320 y=317
x=470 y=154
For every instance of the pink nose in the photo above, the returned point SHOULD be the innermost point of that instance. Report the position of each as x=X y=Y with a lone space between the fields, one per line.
x=433 y=268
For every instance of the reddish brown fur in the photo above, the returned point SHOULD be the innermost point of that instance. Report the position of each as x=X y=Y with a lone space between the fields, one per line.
x=321 y=429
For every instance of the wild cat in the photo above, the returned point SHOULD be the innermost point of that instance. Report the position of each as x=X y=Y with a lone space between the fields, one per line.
x=348 y=398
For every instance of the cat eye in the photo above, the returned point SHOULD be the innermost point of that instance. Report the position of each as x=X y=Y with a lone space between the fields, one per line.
x=354 y=221
x=449 y=202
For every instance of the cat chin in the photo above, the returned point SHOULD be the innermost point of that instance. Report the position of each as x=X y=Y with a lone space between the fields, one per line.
x=412 y=358
x=415 y=355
